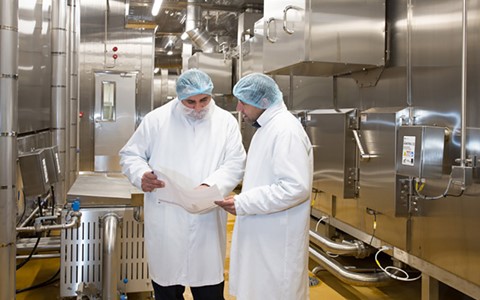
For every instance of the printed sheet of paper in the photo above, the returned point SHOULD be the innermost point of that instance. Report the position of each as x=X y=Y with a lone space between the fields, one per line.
x=194 y=201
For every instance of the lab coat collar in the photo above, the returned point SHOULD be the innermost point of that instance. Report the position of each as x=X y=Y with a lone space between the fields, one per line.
x=270 y=112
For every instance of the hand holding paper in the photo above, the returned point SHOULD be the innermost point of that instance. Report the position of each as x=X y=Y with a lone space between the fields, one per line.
x=192 y=200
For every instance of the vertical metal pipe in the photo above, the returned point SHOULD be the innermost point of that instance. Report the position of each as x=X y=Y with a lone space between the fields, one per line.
x=110 y=259
x=8 y=143
x=59 y=89
x=409 y=52
x=463 y=150
x=73 y=39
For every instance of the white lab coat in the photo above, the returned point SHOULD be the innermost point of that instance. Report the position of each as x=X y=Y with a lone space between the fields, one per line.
x=184 y=248
x=269 y=253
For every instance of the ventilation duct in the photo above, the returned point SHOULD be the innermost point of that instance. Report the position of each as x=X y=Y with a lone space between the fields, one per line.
x=203 y=40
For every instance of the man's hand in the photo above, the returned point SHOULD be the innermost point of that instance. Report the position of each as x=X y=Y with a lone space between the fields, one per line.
x=228 y=204
x=150 y=182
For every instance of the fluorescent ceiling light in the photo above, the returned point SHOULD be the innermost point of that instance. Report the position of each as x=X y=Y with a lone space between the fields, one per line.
x=156 y=70
x=156 y=7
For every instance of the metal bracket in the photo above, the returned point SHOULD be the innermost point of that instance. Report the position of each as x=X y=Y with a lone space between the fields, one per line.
x=368 y=77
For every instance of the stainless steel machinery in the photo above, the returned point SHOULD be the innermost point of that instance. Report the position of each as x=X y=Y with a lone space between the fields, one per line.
x=389 y=90
x=105 y=256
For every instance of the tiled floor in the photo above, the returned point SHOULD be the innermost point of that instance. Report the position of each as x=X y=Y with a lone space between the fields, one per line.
x=329 y=288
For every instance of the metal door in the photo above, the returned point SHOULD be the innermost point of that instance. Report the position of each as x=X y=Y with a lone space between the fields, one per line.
x=115 y=95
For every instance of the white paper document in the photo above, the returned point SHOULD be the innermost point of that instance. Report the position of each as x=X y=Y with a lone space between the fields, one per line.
x=194 y=201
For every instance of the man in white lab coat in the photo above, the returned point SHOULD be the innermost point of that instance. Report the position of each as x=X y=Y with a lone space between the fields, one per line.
x=197 y=144
x=269 y=252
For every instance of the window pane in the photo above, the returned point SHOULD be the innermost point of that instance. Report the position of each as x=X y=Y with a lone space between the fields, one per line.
x=108 y=100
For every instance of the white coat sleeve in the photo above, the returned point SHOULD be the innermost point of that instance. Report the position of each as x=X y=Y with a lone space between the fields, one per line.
x=135 y=154
x=292 y=165
x=230 y=172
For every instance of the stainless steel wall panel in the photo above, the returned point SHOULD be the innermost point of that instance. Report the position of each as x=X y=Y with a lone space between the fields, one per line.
x=436 y=58
x=217 y=67
x=311 y=92
x=444 y=234
x=135 y=53
x=34 y=65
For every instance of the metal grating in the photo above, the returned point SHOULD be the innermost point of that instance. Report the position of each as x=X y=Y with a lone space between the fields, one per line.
x=81 y=254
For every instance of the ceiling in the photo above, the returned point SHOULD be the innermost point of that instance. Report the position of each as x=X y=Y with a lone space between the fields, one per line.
x=217 y=18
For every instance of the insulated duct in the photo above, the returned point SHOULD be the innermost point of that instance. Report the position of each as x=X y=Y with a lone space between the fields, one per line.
x=59 y=89
x=192 y=21
x=8 y=143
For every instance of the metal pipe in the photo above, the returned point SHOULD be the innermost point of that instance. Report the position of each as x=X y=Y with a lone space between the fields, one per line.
x=349 y=277
x=46 y=244
x=74 y=222
x=74 y=29
x=59 y=89
x=356 y=248
x=8 y=144
x=39 y=256
x=463 y=151
x=409 y=51
x=34 y=212
x=110 y=258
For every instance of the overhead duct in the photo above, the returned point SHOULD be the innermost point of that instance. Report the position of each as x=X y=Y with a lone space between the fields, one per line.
x=199 y=37
x=203 y=40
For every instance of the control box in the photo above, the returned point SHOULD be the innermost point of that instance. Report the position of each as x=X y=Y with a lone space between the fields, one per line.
x=420 y=151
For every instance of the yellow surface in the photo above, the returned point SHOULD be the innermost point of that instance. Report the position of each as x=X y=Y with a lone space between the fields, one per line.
x=329 y=288
x=38 y=271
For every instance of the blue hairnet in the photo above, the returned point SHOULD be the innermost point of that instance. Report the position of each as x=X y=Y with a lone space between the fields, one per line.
x=258 y=90
x=193 y=82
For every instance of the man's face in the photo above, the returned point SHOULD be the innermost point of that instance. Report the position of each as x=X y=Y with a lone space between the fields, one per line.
x=197 y=102
x=249 y=113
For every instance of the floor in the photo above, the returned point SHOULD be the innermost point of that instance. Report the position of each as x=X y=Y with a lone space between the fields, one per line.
x=329 y=287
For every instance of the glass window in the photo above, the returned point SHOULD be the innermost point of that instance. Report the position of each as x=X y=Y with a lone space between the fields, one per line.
x=108 y=100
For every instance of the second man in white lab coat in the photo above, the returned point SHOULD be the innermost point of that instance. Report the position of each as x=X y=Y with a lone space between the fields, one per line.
x=269 y=252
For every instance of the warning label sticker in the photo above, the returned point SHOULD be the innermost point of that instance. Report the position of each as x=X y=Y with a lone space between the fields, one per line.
x=408 y=151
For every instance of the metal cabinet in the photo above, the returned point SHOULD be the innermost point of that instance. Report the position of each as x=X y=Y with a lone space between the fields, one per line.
x=323 y=37
x=334 y=149
x=381 y=187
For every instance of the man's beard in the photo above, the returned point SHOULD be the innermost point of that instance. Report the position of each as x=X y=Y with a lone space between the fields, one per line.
x=195 y=115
